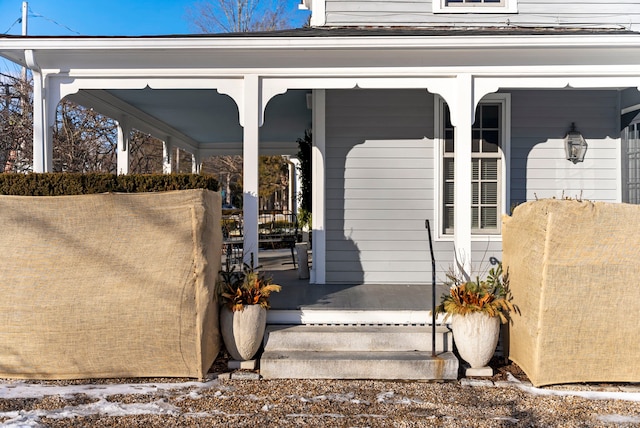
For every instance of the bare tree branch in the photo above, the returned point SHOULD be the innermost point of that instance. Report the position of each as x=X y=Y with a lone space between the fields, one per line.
x=16 y=123
x=84 y=140
x=239 y=16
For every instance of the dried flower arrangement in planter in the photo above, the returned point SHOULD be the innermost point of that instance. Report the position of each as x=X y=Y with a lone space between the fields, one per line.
x=243 y=318
x=477 y=309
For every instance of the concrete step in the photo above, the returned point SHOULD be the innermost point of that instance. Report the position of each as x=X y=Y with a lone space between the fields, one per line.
x=415 y=365
x=357 y=352
x=356 y=338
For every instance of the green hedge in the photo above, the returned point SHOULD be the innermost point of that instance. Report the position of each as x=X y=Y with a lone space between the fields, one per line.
x=58 y=184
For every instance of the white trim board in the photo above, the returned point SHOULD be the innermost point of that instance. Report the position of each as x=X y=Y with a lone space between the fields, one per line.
x=350 y=317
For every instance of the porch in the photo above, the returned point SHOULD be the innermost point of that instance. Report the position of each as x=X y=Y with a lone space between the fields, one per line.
x=300 y=302
x=352 y=331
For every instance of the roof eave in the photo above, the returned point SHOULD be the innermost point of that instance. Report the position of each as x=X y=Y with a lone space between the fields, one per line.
x=327 y=42
x=15 y=48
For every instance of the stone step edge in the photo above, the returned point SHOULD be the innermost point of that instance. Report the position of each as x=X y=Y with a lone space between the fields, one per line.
x=363 y=329
x=352 y=317
x=355 y=355
x=359 y=365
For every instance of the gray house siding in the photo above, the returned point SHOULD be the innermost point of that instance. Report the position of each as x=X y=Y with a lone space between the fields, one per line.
x=625 y=13
x=539 y=122
x=380 y=175
x=379 y=184
x=484 y=253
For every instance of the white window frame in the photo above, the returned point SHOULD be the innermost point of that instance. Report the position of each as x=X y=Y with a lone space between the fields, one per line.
x=507 y=6
x=497 y=98
x=317 y=8
x=631 y=163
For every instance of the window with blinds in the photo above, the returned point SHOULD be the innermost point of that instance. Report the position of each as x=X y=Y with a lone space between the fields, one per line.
x=486 y=174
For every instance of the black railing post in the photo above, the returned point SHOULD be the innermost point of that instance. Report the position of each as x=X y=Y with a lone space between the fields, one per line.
x=433 y=292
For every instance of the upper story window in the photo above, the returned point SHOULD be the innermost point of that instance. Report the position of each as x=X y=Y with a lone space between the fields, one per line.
x=475 y=6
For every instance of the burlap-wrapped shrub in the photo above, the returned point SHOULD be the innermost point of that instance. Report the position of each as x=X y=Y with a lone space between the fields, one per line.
x=573 y=269
x=109 y=285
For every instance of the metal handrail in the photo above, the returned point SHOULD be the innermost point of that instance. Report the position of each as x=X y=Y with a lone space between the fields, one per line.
x=433 y=292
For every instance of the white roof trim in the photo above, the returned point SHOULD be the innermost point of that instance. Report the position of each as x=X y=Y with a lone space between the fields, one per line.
x=230 y=55
x=285 y=43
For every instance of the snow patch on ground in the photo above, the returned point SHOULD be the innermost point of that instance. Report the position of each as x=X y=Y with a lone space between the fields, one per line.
x=103 y=407
x=20 y=389
x=335 y=398
x=389 y=397
x=590 y=395
x=619 y=419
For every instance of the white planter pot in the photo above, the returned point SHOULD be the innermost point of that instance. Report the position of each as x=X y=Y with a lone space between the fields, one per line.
x=476 y=336
x=242 y=331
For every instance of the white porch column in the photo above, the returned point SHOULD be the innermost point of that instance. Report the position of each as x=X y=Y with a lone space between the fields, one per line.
x=124 y=131
x=42 y=124
x=318 y=271
x=462 y=117
x=167 y=155
x=196 y=163
x=252 y=111
x=295 y=185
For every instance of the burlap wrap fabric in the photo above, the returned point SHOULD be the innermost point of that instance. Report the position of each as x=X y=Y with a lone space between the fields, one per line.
x=110 y=285
x=574 y=269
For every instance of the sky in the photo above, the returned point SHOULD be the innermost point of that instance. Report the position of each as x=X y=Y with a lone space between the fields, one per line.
x=107 y=17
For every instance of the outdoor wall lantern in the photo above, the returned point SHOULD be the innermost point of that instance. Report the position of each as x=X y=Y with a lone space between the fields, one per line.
x=574 y=145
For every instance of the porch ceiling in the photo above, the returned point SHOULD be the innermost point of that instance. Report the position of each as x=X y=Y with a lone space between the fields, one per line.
x=202 y=119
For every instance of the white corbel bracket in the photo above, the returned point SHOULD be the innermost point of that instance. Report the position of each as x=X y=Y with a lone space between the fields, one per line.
x=30 y=60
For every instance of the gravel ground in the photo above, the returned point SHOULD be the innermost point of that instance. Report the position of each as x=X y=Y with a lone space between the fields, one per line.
x=311 y=403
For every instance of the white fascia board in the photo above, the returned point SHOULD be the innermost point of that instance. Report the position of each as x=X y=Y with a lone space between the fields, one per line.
x=56 y=54
x=328 y=42
x=348 y=76
x=61 y=53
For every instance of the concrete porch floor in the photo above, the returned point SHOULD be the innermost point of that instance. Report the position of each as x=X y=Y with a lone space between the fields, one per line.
x=301 y=302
